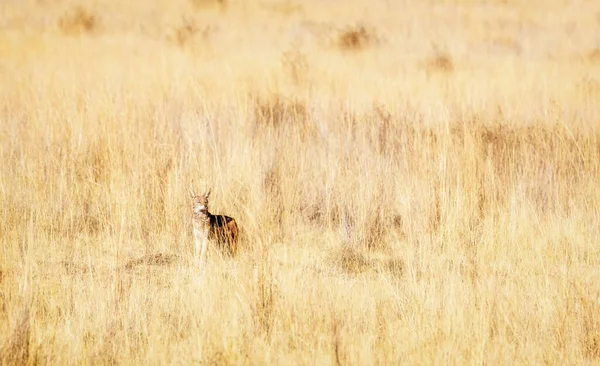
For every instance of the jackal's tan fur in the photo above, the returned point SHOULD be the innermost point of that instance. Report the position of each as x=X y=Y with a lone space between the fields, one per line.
x=220 y=229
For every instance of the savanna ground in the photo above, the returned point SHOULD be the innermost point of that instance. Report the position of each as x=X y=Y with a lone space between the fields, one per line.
x=417 y=182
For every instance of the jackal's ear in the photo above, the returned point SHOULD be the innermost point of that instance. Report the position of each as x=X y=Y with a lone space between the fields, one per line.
x=192 y=194
x=207 y=194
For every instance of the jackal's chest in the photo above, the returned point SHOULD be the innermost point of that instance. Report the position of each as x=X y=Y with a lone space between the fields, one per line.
x=201 y=229
x=200 y=233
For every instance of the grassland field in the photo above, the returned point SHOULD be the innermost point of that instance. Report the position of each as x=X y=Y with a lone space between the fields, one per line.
x=416 y=182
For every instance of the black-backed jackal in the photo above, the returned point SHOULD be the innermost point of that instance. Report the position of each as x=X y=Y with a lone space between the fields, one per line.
x=219 y=229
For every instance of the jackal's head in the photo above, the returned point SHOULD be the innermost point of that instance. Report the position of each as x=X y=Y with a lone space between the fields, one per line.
x=199 y=202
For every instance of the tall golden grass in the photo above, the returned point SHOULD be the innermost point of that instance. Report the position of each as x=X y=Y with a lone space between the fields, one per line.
x=417 y=182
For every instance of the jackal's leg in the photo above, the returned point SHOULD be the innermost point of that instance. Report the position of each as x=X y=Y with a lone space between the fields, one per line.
x=197 y=246
x=200 y=244
x=203 y=247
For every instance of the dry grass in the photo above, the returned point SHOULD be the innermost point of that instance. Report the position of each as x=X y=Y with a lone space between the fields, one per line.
x=399 y=204
x=356 y=38
x=78 y=21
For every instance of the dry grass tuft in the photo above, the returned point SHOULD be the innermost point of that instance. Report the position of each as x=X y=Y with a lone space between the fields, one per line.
x=295 y=65
x=395 y=267
x=188 y=32
x=78 y=21
x=589 y=308
x=350 y=260
x=356 y=38
x=276 y=110
x=75 y=269
x=440 y=62
x=594 y=56
x=265 y=302
x=185 y=32
x=16 y=350
x=157 y=259
x=338 y=355
x=354 y=260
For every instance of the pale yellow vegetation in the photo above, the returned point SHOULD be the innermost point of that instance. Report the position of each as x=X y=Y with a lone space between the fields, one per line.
x=417 y=182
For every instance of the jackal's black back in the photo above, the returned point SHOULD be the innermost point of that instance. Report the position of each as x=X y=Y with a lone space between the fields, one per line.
x=220 y=220
x=225 y=230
